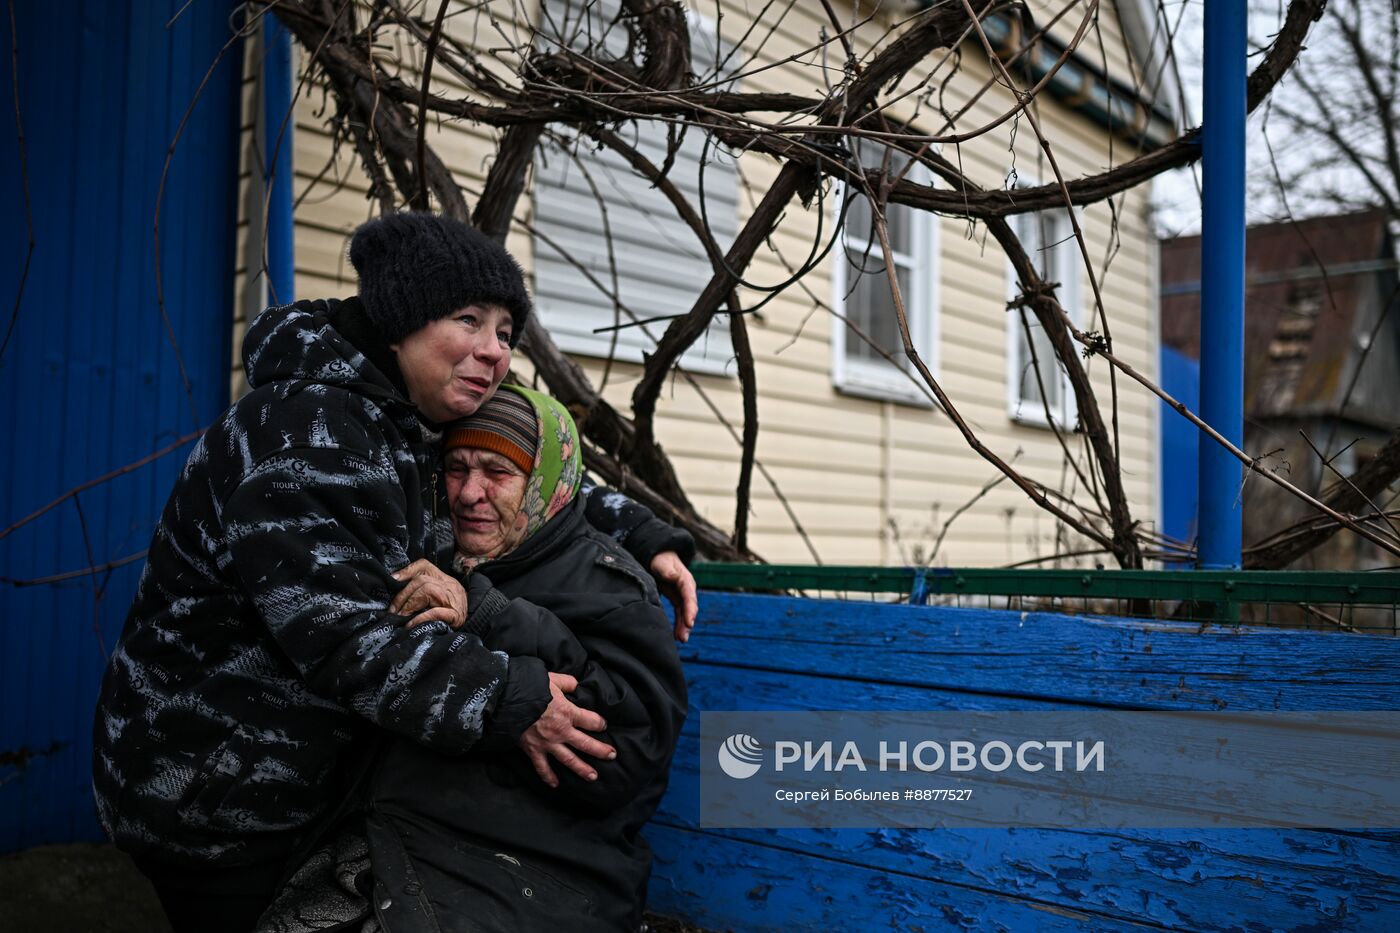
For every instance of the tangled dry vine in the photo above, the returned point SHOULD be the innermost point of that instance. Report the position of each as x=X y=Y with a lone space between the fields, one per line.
x=578 y=72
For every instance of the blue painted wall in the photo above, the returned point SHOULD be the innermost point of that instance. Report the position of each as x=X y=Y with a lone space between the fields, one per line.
x=1181 y=378
x=89 y=381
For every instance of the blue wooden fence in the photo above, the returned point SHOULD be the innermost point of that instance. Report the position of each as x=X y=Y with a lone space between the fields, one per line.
x=765 y=652
x=89 y=381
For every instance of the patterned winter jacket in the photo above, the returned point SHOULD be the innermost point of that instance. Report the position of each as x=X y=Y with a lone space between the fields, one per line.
x=259 y=649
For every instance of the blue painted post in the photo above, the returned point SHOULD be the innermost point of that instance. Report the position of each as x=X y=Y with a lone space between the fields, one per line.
x=1181 y=449
x=1222 y=281
x=277 y=159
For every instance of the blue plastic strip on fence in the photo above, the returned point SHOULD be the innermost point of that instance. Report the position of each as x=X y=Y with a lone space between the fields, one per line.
x=1222 y=280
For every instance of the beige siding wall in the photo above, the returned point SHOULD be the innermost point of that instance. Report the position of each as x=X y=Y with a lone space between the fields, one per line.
x=870 y=481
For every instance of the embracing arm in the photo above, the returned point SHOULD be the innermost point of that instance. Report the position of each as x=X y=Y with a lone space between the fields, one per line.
x=662 y=549
x=311 y=534
x=633 y=525
x=627 y=670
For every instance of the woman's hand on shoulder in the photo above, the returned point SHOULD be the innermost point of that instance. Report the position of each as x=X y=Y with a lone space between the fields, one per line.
x=675 y=580
x=429 y=595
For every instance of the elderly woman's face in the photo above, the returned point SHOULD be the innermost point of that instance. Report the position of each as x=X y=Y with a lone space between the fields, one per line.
x=486 y=493
x=455 y=363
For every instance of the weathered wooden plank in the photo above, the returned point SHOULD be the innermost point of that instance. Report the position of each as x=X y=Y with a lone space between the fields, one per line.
x=1113 y=663
x=1180 y=879
x=721 y=687
x=730 y=884
x=724 y=881
x=754 y=652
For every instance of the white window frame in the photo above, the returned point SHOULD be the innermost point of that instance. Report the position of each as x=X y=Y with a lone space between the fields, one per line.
x=879 y=380
x=1065 y=268
x=712 y=353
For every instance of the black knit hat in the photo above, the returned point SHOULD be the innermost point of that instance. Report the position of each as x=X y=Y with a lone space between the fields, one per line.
x=415 y=268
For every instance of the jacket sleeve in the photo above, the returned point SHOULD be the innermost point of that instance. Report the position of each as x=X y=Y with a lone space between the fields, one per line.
x=627 y=670
x=313 y=534
x=633 y=525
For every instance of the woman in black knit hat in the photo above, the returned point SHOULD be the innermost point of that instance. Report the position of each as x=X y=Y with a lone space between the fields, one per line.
x=259 y=653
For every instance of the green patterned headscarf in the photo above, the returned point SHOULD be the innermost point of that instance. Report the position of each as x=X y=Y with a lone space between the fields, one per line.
x=558 y=469
x=553 y=480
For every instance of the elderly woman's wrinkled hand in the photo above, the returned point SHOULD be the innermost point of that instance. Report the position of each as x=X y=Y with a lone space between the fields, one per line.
x=676 y=581
x=558 y=733
x=429 y=595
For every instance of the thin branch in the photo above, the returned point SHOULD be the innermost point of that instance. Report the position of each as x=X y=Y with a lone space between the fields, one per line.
x=96 y=587
x=76 y=574
x=105 y=477
x=943 y=532
x=235 y=39
x=1327 y=463
x=1363 y=486
x=1036 y=493
x=748 y=385
x=420 y=197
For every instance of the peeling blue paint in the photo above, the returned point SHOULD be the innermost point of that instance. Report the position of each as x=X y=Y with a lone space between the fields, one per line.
x=761 y=652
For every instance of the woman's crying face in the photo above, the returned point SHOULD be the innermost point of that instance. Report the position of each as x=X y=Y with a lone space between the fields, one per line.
x=454 y=364
x=486 y=493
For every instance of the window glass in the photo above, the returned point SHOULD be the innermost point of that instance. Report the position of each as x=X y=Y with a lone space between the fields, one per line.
x=866 y=298
x=1048 y=239
x=598 y=222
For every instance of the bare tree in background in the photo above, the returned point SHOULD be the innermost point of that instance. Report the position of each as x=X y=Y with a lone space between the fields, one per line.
x=1329 y=143
x=591 y=78
x=1339 y=112
x=1324 y=143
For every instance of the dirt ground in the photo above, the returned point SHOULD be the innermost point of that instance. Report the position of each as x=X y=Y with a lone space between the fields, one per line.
x=78 y=888
x=90 y=888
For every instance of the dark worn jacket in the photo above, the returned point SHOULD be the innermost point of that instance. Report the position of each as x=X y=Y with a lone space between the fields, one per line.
x=259 y=649
x=478 y=842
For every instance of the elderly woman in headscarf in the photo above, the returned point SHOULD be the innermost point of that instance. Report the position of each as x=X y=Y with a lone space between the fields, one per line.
x=496 y=840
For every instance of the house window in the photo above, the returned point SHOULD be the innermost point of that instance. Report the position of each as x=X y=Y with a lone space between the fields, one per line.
x=600 y=225
x=1048 y=238
x=864 y=299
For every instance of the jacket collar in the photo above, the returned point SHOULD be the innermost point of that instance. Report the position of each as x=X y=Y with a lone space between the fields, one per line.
x=352 y=321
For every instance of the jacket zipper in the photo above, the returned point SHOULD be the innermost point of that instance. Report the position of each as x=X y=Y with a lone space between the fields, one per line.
x=434 y=549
